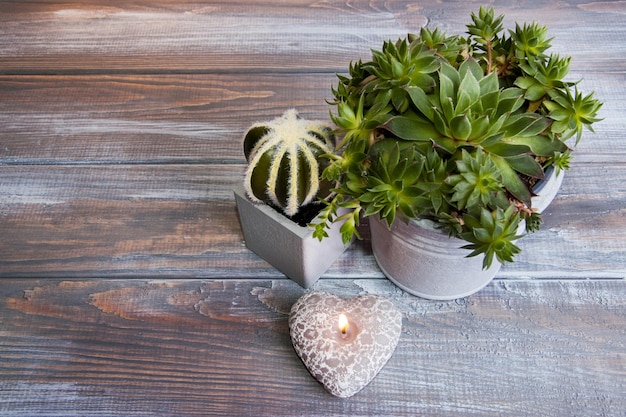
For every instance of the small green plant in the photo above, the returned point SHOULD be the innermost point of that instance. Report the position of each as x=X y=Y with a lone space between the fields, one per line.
x=284 y=164
x=456 y=130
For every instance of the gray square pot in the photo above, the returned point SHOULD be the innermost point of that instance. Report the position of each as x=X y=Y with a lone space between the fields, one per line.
x=290 y=248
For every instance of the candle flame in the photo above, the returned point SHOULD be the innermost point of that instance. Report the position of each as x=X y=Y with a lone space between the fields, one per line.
x=343 y=323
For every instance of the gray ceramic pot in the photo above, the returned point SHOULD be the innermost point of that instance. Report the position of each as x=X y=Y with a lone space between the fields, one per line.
x=546 y=190
x=288 y=247
x=426 y=262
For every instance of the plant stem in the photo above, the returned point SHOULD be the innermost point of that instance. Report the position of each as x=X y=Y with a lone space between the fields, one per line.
x=489 y=57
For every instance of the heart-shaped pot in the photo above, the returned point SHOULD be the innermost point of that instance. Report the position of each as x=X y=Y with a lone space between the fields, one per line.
x=344 y=359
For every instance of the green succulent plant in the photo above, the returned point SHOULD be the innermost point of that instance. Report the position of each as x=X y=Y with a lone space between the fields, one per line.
x=455 y=129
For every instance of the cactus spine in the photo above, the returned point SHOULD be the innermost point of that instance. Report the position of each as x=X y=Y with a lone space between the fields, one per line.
x=284 y=164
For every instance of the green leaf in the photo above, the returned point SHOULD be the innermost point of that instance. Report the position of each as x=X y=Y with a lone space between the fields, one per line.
x=450 y=73
x=415 y=129
x=446 y=92
x=427 y=63
x=349 y=229
x=507 y=149
x=493 y=235
x=400 y=169
x=397 y=69
x=488 y=102
x=492 y=139
x=526 y=165
x=526 y=124
x=535 y=92
x=471 y=67
x=399 y=100
x=423 y=81
x=468 y=92
x=480 y=127
x=440 y=124
x=489 y=84
x=380 y=188
x=421 y=101
x=539 y=145
x=511 y=180
x=482 y=235
x=461 y=127
x=511 y=99
x=447 y=144
x=464 y=101
x=525 y=82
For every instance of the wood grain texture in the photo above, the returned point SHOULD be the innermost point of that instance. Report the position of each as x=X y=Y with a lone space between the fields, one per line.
x=146 y=118
x=132 y=220
x=222 y=348
x=196 y=36
x=125 y=285
x=180 y=221
x=199 y=118
x=95 y=36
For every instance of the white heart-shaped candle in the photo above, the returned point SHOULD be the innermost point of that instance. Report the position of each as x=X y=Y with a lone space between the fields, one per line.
x=344 y=343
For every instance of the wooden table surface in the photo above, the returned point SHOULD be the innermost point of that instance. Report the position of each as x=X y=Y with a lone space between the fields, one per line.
x=125 y=285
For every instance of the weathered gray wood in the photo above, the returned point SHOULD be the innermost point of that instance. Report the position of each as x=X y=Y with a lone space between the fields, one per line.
x=120 y=127
x=95 y=36
x=181 y=221
x=194 y=36
x=222 y=348
x=198 y=118
x=146 y=118
x=129 y=220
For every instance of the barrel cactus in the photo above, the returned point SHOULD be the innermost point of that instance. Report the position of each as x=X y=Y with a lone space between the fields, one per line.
x=284 y=162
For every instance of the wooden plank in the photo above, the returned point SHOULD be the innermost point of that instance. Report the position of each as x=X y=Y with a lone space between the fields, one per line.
x=143 y=220
x=191 y=36
x=180 y=221
x=198 y=118
x=144 y=118
x=222 y=348
x=583 y=229
x=97 y=36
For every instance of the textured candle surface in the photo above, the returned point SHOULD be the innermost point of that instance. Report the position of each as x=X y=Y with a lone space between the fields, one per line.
x=344 y=362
